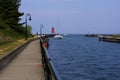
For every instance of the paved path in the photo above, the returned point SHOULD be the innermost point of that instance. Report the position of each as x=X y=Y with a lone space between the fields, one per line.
x=26 y=66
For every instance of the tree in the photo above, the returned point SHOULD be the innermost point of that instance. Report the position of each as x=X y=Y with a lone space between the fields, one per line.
x=10 y=28
x=29 y=30
x=9 y=12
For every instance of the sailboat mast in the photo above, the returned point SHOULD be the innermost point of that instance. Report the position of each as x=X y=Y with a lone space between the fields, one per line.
x=58 y=27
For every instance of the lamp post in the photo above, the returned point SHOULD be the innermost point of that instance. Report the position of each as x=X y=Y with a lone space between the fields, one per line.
x=41 y=26
x=27 y=15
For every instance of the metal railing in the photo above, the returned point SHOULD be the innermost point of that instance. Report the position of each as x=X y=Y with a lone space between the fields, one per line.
x=49 y=69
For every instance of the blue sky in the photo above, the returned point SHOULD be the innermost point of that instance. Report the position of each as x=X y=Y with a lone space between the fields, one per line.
x=73 y=16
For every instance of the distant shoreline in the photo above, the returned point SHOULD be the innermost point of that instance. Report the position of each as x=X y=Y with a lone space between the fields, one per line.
x=106 y=37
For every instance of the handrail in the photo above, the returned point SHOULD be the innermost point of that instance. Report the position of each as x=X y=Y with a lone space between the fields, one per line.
x=49 y=69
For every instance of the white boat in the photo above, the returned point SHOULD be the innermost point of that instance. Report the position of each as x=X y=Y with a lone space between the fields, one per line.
x=58 y=36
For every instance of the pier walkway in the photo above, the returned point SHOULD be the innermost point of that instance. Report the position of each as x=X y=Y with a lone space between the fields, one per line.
x=25 y=66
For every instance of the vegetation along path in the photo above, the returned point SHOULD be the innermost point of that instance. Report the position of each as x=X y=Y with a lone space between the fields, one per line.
x=26 y=66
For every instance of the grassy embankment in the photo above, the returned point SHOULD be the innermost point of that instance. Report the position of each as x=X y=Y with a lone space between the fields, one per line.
x=8 y=47
x=9 y=40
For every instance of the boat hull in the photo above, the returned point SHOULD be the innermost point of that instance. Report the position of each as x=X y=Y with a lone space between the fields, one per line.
x=58 y=37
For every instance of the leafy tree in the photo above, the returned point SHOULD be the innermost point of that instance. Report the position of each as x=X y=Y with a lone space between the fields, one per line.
x=29 y=30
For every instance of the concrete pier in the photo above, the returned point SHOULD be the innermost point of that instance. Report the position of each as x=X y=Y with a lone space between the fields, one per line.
x=25 y=66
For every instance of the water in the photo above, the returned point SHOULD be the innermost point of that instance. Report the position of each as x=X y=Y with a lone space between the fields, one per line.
x=81 y=58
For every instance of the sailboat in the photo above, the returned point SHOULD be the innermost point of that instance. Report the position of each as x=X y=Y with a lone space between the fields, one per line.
x=58 y=36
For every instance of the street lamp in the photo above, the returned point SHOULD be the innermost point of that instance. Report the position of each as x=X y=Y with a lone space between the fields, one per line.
x=41 y=26
x=26 y=36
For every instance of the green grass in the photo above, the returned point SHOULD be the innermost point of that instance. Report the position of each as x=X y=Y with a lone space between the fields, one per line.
x=8 y=47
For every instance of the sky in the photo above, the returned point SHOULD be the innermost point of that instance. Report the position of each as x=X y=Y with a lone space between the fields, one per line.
x=73 y=16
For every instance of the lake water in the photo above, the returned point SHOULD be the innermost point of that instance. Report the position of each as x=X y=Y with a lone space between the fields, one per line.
x=81 y=58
